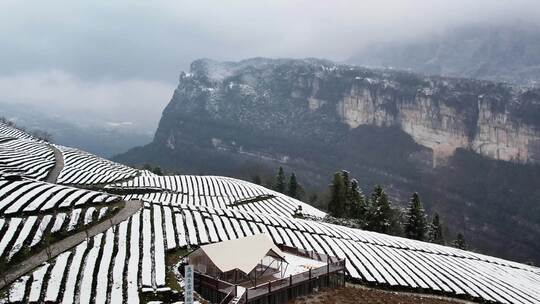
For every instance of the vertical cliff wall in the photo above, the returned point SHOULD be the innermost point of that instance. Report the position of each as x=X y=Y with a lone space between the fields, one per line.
x=290 y=96
x=442 y=127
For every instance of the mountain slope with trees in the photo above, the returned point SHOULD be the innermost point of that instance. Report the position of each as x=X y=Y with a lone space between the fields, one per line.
x=469 y=147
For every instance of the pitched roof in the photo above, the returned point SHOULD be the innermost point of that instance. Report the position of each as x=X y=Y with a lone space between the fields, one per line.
x=243 y=254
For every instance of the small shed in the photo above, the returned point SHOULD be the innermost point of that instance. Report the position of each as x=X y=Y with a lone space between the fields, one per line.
x=240 y=260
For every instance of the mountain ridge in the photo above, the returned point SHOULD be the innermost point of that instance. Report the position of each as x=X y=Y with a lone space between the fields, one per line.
x=406 y=131
x=371 y=98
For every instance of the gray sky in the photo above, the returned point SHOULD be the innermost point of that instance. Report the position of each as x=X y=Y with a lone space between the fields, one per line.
x=120 y=60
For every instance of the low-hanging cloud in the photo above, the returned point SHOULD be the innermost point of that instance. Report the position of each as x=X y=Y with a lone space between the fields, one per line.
x=108 y=54
x=114 y=102
x=157 y=39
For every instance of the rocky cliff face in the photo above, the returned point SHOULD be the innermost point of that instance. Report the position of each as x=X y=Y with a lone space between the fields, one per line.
x=445 y=127
x=469 y=147
x=317 y=98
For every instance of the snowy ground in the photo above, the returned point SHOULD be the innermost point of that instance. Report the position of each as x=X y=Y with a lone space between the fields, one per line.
x=299 y=264
x=198 y=210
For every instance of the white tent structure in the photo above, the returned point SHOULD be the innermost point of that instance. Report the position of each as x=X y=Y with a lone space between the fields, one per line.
x=240 y=259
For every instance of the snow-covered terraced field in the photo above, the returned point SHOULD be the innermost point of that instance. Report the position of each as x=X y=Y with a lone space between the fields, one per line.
x=111 y=267
x=30 y=196
x=375 y=258
x=137 y=260
x=29 y=158
x=7 y=132
x=129 y=258
x=82 y=168
x=18 y=234
x=282 y=206
x=198 y=185
x=217 y=192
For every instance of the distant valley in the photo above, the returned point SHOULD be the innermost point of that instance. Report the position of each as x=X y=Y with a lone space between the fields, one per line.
x=91 y=134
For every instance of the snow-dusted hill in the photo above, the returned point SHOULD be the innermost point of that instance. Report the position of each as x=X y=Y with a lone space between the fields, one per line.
x=128 y=259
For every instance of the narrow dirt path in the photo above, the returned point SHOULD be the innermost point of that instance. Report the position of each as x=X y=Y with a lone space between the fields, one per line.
x=71 y=241
x=52 y=176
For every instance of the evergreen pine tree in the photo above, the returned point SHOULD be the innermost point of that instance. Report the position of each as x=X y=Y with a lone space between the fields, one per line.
x=459 y=242
x=380 y=213
x=332 y=203
x=293 y=186
x=346 y=189
x=313 y=199
x=358 y=205
x=279 y=185
x=257 y=179
x=415 y=226
x=436 y=230
x=396 y=222
x=346 y=179
x=337 y=196
x=157 y=170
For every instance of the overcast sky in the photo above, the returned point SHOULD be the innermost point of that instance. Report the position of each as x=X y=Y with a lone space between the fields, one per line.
x=120 y=59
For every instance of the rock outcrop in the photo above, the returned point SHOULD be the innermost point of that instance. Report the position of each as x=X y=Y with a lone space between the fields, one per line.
x=290 y=96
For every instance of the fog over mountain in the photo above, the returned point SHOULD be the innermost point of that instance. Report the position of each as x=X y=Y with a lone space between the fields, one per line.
x=119 y=61
x=507 y=52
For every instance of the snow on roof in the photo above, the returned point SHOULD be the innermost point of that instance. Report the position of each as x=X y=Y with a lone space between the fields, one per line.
x=243 y=254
